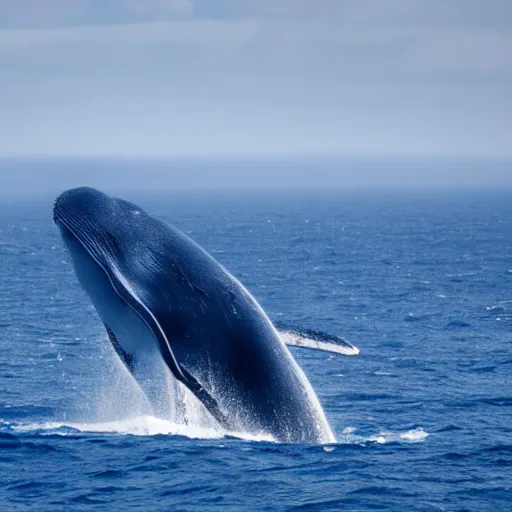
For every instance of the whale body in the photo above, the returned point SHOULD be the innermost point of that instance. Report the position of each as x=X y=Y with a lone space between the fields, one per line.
x=168 y=306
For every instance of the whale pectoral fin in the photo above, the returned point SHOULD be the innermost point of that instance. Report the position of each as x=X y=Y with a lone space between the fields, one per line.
x=318 y=341
x=125 y=357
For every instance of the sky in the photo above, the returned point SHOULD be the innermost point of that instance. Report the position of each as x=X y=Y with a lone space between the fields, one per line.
x=256 y=78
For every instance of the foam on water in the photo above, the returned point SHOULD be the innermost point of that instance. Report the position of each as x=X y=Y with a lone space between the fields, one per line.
x=136 y=426
x=152 y=426
x=416 y=435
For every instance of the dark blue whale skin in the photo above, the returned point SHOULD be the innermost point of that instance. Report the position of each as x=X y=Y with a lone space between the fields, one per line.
x=210 y=332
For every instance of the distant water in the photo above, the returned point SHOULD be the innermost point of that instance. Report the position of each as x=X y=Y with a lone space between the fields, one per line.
x=422 y=284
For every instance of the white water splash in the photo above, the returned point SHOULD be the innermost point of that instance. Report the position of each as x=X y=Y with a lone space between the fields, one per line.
x=120 y=406
x=120 y=398
x=137 y=426
x=152 y=426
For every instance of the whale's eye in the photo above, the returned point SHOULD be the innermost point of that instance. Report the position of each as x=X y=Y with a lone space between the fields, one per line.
x=136 y=212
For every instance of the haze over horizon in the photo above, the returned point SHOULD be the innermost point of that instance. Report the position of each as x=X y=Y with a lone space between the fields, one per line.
x=131 y=177
x=256 y=78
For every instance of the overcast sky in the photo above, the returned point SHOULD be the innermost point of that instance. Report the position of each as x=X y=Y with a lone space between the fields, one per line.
x=164 y=78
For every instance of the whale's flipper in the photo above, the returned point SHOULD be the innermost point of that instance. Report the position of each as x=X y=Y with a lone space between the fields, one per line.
x=306 y=338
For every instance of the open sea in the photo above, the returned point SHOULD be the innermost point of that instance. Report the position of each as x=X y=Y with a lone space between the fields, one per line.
x=421 y=283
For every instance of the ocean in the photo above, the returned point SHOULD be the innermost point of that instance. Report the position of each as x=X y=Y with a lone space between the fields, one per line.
x=420 y=282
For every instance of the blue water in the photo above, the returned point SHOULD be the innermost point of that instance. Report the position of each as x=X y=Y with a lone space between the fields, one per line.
x=421 y=283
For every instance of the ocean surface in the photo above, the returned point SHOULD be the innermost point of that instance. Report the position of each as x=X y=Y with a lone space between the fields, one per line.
x=421 y=283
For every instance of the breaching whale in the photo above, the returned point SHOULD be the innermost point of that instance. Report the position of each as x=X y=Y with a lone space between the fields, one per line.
x=167 y=305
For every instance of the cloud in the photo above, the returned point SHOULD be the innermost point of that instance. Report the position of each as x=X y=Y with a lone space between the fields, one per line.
x=63 y=13
x=347 y=13
x=151 y=9
x=34 y=13
x=251 y=77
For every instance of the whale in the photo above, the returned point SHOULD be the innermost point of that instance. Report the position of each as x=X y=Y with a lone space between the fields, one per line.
x=170 y=310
